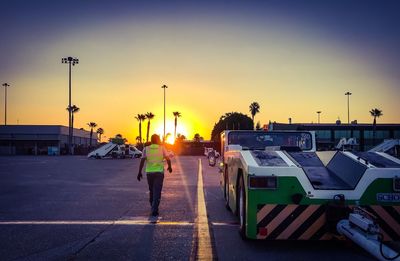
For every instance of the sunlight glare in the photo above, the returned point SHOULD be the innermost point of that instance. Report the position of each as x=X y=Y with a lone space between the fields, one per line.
x=170 y=139
x=169 y=130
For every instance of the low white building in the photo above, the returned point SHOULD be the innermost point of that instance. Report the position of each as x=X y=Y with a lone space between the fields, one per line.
x=42 y=140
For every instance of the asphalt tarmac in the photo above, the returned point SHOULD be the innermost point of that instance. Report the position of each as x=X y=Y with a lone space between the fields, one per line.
x=72 y=208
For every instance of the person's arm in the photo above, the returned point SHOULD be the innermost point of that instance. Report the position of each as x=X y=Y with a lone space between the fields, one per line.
x=142 y=161
x=167 y=159
x=169 y=164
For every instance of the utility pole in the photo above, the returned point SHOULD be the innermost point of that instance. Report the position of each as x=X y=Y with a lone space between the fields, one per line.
x=164 y=87
x=319 y=112
x=5 y=102
x=348 y=106
x=70 y=61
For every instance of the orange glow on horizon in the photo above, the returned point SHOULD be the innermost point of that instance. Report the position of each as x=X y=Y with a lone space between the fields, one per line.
x=305 y=73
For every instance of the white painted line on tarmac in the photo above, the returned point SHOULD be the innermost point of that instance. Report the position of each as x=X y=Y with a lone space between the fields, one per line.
x=129 y=221
x=97 y=222
x=204 y=247
x=226 y=224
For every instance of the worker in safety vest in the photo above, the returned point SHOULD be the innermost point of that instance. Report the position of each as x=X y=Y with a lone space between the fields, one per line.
x=154 y=156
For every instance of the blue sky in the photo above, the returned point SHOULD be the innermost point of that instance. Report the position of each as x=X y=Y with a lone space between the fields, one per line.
x=293 y=57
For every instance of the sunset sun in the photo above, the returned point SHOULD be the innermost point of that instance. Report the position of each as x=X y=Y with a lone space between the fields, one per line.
x=181 y=129
x=170 y=139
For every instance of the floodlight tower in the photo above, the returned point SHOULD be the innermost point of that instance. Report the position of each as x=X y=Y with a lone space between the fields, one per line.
x=5 y=102
x=319 y=112
x=164 y=87
x=70 y=61
x=348 y=106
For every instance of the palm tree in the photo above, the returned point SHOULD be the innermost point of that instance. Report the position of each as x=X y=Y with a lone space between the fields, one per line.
x=376 y=113
x=177 y=114
x=140 y=118
x=73 y=109
x=180 y=137
x=91 y=125
x=197 y=138
x=100 y=131
x=149 y=117
x=254 y=109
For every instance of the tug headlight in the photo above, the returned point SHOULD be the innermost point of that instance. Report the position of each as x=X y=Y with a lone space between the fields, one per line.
x=269 y=182
x=221 y=167
x=396 y=184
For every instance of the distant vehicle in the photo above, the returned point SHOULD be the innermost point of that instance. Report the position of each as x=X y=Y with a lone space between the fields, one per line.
x=115 y=151
x=207 y=152
x=212 y=160
x=212 y=156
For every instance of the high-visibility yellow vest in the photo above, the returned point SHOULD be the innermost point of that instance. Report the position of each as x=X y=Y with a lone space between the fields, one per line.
x=154 y=158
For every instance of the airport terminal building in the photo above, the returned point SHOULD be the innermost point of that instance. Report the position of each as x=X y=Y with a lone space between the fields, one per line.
x=328 y=135
x=42 y=140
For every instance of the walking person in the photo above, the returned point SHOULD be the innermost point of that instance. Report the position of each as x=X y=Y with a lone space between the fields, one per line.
x=154 y=155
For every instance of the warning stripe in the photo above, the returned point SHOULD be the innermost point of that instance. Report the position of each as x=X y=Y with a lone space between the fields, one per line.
x=271 y=215
x=385 y=228
x=392 y=211
x=298 y=209
x=282 y=215
x=308 y=222
x=264 y=211
x=291 y=221
x=388 y=219
x=298 y=221
x=386 y=237
x=321 y=231
x=397 y=208
x=314 y=228
x=382 y=230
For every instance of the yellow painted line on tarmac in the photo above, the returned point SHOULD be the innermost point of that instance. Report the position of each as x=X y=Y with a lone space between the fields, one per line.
x=97 y=222
x=204 y=247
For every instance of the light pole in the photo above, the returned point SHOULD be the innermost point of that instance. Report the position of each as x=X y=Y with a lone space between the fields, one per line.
x=164 y=87
x=319 y=112
x=70 y=61
x=5 y=102
x=348 y=106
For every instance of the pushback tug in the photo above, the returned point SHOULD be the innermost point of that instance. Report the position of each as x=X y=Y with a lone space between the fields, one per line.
x=283 y=189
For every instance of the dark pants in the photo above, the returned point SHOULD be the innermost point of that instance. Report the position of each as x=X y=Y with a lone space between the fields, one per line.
x=155 y=181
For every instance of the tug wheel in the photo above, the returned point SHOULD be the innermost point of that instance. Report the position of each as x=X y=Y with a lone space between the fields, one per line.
x=226 y=191
x=242 y=209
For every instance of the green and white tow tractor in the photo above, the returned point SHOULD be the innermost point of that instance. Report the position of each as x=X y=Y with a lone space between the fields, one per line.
x=283 y=189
